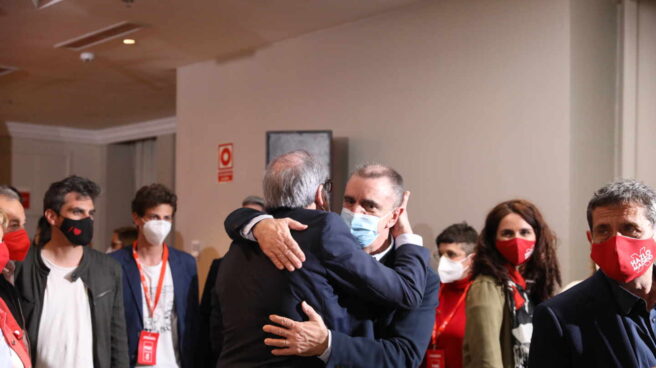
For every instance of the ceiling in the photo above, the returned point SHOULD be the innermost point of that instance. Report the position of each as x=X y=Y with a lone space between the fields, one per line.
x=127 y=84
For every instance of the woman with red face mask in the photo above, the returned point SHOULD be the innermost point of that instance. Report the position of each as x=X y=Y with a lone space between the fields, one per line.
x=514 y=269
x=13 y=343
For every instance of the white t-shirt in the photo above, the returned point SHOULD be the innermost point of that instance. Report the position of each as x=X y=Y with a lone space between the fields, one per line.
x=164 y=320
x=65 y=330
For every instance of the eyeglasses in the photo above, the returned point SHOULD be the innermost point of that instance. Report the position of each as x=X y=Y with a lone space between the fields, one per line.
x=328 y=186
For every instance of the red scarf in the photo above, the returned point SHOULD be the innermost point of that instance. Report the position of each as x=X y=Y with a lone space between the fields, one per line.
x=517 y=279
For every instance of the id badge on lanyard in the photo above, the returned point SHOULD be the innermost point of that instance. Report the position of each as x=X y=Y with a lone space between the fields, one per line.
x=147 y=350
x=435 y=358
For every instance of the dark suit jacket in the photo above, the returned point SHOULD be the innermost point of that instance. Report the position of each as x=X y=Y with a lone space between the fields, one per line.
x=581 y=327
x=401 y=335
x=250 y=288
x=209 y=339
x=185 y=288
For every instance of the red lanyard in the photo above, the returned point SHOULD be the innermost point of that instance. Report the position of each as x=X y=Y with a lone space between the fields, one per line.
x=438 y=331
x=160 y=283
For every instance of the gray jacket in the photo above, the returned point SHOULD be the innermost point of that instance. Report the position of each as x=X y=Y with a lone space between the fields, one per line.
x=103 y=279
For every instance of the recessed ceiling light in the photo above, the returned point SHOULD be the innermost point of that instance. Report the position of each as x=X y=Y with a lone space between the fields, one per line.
x=129 y=41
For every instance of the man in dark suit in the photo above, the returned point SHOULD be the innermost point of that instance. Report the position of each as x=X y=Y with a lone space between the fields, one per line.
x=399 y=336
x=250 y=287
x=170 y=307
x=609 y=319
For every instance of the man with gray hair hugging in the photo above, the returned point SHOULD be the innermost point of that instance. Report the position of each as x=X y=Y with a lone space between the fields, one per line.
x=339 y=280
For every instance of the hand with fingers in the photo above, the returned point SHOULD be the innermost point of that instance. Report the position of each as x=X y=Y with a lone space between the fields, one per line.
x=276 y=242
x=402 y=226
x=309 y=338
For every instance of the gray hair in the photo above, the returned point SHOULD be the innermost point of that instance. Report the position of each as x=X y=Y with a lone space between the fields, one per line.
x=8 y=192
x=375 y=171
x=253 y=199
x=292 y=179
x=621 y=192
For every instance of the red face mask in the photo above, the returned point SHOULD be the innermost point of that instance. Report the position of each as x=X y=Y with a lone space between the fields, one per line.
x=18 y=243
x=516 y=250
x=4 y=256
x=623 y=259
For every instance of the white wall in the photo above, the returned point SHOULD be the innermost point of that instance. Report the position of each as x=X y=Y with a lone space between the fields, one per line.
x=37 y=163
x=469 y=100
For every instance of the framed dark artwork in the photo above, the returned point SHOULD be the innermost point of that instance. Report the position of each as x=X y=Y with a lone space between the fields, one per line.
x=315 y=142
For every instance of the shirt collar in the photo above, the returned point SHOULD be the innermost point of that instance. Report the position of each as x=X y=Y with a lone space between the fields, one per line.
x=382 y=254
x=625 y=299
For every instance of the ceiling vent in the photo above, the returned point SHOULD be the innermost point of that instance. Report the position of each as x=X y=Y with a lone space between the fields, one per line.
x=100 y=36
x=6 y=70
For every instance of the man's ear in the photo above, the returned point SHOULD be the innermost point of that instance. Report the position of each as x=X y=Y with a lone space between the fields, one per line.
x=469 y=259
x=589 y=236
x=136 y=219
x=50 y=216
x=319 y=199
x=396 y=214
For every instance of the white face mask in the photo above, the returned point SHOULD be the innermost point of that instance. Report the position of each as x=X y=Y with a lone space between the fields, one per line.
x=156 y=231
x=451 y=271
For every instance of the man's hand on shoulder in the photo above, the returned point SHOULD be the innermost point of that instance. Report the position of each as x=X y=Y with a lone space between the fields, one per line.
x=276 y=242
x=309 y=338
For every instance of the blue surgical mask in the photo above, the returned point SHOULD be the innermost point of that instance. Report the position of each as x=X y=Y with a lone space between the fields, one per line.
x=363 y=227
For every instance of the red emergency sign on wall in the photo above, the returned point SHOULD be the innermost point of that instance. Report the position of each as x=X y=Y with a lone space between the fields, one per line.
x=225 y=163
x=25 y=199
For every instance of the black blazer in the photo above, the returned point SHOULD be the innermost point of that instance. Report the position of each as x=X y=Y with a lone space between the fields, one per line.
x=209 y=339
x=581 y=327
x=250 y=288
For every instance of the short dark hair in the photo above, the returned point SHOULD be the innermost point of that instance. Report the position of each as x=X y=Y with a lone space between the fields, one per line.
x=459 y=233
x=127 y=234
x=54 y=197
x=622 y=192
x=153 y=195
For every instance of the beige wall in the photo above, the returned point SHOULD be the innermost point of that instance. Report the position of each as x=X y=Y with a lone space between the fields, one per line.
x=593 y=107
x=37 y=163
x=645 y=134
x=469 y=100
x=119 y=187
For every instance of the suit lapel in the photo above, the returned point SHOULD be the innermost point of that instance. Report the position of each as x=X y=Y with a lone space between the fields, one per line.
x=174 y=264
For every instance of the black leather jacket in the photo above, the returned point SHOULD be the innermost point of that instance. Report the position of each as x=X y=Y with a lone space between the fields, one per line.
x=103 y=279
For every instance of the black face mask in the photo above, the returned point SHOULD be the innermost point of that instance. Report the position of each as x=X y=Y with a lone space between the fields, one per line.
x=78 y=232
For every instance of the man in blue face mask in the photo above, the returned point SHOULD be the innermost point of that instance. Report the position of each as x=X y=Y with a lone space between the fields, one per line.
x=372 y=207
x=374 y=211
x=344 y=284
